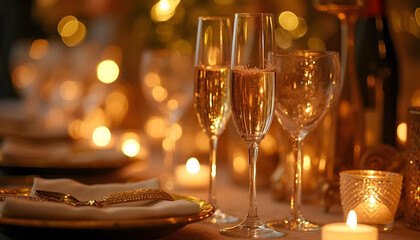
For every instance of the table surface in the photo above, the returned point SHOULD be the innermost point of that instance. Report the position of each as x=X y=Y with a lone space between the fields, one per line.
x=233 y=199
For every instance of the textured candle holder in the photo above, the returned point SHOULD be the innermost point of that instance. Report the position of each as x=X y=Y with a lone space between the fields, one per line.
x=373 y=195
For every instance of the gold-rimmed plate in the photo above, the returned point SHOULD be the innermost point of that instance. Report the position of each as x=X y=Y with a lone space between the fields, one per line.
x=99 y=229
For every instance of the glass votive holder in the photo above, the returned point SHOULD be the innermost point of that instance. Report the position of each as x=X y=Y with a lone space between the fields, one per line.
x=373 y=195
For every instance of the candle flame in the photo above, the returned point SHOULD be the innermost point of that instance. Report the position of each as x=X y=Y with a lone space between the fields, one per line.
x=192 y=166
x=352 y=219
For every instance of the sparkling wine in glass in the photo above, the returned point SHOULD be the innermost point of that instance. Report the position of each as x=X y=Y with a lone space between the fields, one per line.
x=252 y=101
x=166 y=80
x=307 y=84
x=211 y=91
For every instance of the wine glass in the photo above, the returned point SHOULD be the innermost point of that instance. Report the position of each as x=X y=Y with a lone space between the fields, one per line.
x=252 y=102
x=307 y=84
x=211 y=91
x=166 y=80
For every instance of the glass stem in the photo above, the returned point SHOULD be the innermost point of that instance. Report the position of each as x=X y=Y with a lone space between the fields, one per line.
x=296 y=196
x=252 y=207
x=212 y=157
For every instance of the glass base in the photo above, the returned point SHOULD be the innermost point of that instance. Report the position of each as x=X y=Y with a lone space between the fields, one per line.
x=221 y=217
x=250 y=229
x=299 y=224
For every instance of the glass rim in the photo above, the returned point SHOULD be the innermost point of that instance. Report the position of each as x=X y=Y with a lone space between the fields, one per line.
x=213 y=18
x=288 y=52
x=370 y=174
x=254 y=14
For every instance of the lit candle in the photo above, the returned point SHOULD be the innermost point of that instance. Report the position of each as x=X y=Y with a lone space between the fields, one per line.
x=350 y=230
x=192 y=174
x=373 y=212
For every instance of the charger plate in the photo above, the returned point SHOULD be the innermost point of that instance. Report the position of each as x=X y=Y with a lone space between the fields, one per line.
x=99 y=229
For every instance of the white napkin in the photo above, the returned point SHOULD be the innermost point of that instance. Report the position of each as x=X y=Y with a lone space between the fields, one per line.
x=22 y=208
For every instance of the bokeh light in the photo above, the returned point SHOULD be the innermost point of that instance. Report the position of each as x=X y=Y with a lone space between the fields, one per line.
x=107 y=71
x=24 y=75
x=69 y=90
x=402 y=132
x=72 y=31
x=152 y=79
x=288 y=20
x=159 y=93
x=39 y=49
x=156 y=127
x=163 y=10
x=65 y=20
x=101 y=136
x=240 y=163
x=130 y=147
x=116 y=106
x=316 y=44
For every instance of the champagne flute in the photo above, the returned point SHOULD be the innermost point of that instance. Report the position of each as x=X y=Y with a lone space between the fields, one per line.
x=211 y=91
x=252 y=101
x=307 y=84
x=166 y=78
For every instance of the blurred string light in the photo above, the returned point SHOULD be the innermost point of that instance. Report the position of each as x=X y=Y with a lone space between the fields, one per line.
x=107 y=71
x=71 y=30
x=164 y=10
x=39 y=48
x=291 y=28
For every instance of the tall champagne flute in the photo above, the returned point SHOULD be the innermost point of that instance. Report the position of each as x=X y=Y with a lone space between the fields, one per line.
x=166 y=80
x=307 y=84
x=211 y=91
x=252 y=101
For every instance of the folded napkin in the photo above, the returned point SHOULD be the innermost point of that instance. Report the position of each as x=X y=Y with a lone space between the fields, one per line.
x=24 y=208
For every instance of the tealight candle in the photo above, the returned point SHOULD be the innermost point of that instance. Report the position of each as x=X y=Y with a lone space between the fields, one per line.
x=192 y=175
x=349 y=231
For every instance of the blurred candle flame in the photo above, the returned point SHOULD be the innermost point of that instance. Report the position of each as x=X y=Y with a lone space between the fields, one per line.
x=352 y=219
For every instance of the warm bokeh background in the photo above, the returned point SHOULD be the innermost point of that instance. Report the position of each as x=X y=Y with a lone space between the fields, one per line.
x=51 y=49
